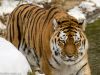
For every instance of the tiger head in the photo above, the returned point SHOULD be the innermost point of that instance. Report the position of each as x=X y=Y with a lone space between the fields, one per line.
x=68 y=43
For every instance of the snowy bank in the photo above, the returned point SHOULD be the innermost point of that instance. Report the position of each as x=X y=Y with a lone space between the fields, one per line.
x=86 y=10
x=2 y=26
x=12 y=62
x=88 y=6
x=97 y=2
x=77 y=13
x=7 y=6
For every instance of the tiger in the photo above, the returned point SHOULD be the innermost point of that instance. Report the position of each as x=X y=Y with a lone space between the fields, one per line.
x=53 y=42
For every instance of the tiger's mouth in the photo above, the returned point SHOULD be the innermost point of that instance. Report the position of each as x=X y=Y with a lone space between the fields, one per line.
x=73 y=59
x=69 y=59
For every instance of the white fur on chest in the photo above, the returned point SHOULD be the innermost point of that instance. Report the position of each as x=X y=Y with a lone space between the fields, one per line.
x=70 y=70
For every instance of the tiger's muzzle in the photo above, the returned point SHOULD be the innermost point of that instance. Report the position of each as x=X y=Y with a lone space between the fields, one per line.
x=69 y=51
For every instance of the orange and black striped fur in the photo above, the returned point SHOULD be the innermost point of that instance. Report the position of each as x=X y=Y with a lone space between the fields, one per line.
x=53 y=42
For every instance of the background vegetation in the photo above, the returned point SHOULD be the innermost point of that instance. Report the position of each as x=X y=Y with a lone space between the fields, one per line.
x=93 y=35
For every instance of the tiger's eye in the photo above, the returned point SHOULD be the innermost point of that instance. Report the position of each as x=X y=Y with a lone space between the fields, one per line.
x=61 y=42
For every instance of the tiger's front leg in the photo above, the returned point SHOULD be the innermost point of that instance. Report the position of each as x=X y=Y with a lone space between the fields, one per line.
x=85 y=70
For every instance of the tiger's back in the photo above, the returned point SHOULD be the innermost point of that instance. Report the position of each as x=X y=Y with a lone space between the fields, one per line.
x=28 y=16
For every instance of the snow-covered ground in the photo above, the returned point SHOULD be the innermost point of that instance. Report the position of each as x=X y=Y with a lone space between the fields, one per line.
x=77 y=13
x=97 y=2
x=7 y=6
x=84 y=9
x=88 y=6
x=2 y=26
x=12 y=62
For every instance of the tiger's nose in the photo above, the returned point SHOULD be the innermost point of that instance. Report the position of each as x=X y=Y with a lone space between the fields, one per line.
x=70 y=56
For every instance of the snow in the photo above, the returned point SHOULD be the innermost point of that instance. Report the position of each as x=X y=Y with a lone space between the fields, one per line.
x=39 y=1
x=89 y=6
x=2 y=26
x=77 y=13
x=7 y=6
x=12 y=61
x=97 y=2
x=84 y=9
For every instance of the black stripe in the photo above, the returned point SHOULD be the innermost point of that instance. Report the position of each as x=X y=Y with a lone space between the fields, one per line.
x=22 y=11
x=33 y=55
x=31 y=11
x=27 y=25
x=38 y=11
x=56 y=61
x=33 y=25
x=13 y=18
x=30 y=23
x=36 y=20
x=39 y=18
x=75 y=21
x=24 y=22
x=19 y=32
x=10 y=34
x=63 y=22
x=37 y=58
x=29 y=16
x=69 y=29
x=40 y=36
x=50 y=64
x=84 y=41
x=40 y=15
x=51 y=10
x=18 y=24
x=53 y=16
x=81 y=69
x=25 y=46
x=14 y=13
x=10 y=27
x=28 y=11
x=12 y=23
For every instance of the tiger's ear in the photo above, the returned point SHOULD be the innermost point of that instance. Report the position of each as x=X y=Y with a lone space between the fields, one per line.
x=82 y=24
x=54 y=23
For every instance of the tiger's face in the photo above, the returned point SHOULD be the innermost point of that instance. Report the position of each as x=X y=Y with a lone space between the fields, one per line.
x=68 y=45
